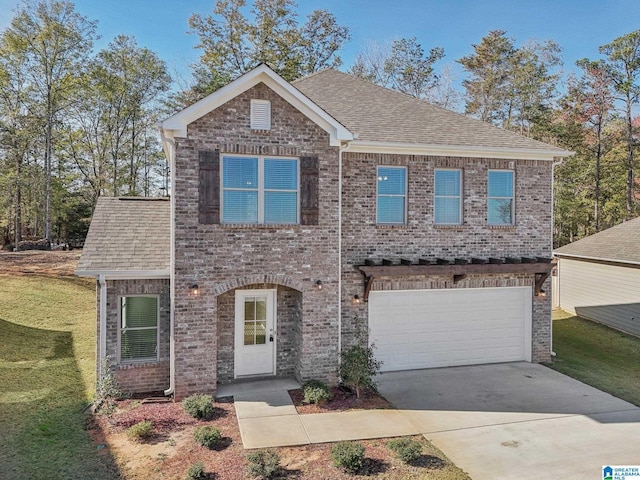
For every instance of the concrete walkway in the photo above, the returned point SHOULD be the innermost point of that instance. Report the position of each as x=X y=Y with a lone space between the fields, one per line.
x=267 y=418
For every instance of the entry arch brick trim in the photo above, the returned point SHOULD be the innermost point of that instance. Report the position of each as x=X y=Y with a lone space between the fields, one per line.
x=256 y=279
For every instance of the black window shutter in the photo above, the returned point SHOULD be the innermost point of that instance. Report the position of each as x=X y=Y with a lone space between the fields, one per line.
x=209 y=187
x=309 y=190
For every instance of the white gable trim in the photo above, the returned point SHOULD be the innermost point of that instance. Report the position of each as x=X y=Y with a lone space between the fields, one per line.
x=176 y=125
x=362 y=146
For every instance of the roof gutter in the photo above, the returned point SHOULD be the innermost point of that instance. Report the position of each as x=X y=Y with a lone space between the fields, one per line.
x=364 y=146
x=124 y=275
x=596 y=259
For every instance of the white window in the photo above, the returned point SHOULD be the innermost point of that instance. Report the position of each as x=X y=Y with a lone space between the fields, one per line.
x=260 y=114
x=447 y=205
x=500 y=197
x=260 y=190
x=392 y=195
x=139 y=328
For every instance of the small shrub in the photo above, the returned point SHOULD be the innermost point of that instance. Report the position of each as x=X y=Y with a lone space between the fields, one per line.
x=107 y=389
x=406 y=449
x=196 y=472
x=316 y=391
x=348 y=456
x=264 y=464
x=199 y=406
x=140 y=431
x=207 y=436
x=358 y=367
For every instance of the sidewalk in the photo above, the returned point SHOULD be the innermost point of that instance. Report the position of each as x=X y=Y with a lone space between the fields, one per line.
x=267 y=418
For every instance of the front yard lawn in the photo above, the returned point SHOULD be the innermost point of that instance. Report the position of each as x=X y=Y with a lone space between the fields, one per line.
x=47 y=332
x=597 y=355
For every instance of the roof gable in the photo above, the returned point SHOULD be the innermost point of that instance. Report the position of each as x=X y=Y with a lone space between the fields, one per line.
x=616 y=244
x=176 y=125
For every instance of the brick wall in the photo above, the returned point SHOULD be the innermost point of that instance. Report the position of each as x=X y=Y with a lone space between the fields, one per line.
x=234 y=256
x=420 y=238
x=137 y=377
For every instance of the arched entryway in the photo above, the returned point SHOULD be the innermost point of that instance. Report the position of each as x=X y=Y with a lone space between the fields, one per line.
x=251 y=319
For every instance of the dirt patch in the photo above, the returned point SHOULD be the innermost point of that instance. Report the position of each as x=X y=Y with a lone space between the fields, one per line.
x=341 y=400
x=58 y=263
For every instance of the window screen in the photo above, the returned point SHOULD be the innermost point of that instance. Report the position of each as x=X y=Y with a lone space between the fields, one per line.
x=138 y=328
x=392 y=195
x=260 y=190
x=500 y=197
x=448 y=197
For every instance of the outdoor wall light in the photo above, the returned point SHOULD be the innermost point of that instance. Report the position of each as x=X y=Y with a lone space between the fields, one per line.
x=194 y=290
x=319 y=284
x=356 y=299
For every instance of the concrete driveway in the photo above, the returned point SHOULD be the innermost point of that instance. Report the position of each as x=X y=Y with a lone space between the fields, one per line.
x=517 y=420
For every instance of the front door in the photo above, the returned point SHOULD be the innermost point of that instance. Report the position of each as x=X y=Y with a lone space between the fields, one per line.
x=255 y=342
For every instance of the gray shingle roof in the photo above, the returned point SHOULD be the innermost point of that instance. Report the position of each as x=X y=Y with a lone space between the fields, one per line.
x=128 y=234
x=617 y=244
x=379 y=114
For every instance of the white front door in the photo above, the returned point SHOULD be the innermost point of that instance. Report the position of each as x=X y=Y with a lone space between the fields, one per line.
x=255 y=342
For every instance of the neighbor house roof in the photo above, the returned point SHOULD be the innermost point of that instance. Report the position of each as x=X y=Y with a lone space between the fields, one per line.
x=128 y=236
x=619 y=244
x=380 y=116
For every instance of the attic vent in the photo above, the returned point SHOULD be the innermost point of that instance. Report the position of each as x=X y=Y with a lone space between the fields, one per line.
x=260 y=114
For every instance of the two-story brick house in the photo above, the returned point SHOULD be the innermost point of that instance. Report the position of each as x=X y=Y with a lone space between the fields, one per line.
x=302 y=210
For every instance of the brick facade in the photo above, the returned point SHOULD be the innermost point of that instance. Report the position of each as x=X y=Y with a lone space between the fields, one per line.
x=137 y=377
x=363 y=239
x=222 y=257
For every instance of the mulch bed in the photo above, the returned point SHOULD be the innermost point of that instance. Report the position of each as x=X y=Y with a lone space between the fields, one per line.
x=342 y=399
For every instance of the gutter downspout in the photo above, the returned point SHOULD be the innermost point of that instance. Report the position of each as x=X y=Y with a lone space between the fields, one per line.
x=171 y=151
x=553 y=176
x=340 y=149
x=102 y=352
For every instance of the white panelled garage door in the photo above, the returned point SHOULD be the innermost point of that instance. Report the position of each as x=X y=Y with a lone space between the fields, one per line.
x=437 y=328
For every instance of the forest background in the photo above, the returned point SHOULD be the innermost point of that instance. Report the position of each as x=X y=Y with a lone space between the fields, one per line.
x=77 y=122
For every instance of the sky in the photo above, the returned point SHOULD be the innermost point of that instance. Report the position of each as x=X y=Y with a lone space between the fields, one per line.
x=579 y=26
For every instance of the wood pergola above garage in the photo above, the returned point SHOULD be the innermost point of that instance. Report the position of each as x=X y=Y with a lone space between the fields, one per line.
x=458 y=270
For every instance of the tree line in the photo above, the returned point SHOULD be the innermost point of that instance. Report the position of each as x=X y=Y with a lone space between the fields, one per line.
x=77 y=124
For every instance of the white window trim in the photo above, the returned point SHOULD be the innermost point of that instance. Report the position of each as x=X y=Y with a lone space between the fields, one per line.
x=459 y=197
x=256 y=105
x=512 y=197
x=260 y=188
x=404 y=196
x=157 y=327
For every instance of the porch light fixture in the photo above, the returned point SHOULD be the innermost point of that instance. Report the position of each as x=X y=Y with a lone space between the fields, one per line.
x=356 y=299
x=194 y=290
x=319 y=284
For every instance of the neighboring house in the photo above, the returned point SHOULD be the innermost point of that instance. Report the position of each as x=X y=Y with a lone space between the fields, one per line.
x=598 y=277
x=304 y=212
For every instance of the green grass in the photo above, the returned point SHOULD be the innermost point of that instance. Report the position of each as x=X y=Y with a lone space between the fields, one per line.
x=597 y=355
x=47 y=355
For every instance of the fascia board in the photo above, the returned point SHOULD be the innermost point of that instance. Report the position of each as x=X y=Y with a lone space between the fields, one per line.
x=176 y=125
x=362 y=146
x=597 y=259
x=125 y=275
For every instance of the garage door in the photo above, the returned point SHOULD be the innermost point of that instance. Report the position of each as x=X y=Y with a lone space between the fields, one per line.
x=438 y=328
